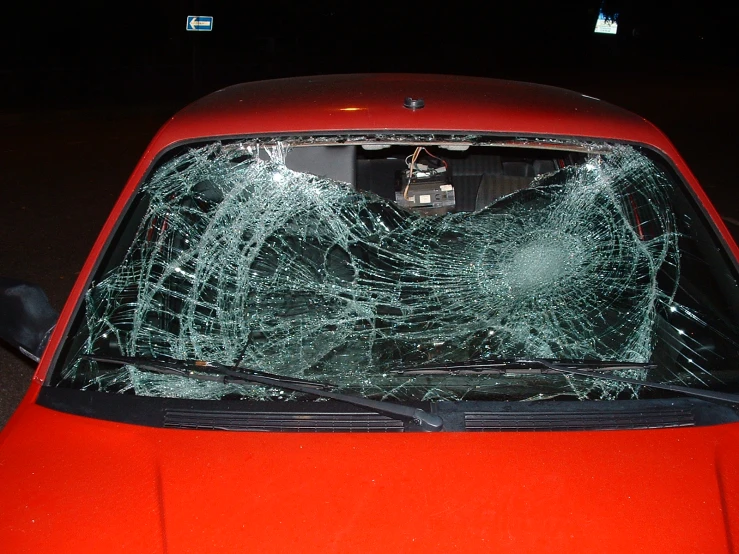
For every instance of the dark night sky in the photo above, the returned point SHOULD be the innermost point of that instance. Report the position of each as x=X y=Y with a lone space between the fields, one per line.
x=141 y=52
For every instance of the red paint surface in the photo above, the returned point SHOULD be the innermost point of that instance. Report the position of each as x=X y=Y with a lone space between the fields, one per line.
x=72 y=484
x=309 y=104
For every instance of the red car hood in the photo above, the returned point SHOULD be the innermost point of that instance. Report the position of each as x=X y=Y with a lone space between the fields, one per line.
x=73 y=484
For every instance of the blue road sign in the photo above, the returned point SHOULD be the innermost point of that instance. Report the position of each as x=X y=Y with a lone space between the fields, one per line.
x=199 y=23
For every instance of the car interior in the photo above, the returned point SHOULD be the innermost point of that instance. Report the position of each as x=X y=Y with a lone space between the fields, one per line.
x=432 y=180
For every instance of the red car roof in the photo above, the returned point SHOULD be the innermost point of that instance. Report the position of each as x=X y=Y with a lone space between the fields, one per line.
x=375 y=102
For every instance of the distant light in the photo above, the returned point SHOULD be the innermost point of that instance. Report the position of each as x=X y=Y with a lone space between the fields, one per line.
x=606 y=26
x=352 y=109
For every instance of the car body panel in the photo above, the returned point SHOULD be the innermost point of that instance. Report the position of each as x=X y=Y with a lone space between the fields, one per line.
x=73 y=484
x=91 y=486
x=376 y=102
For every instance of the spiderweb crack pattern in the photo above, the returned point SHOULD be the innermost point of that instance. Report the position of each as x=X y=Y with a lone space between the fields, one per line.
x=242 y=260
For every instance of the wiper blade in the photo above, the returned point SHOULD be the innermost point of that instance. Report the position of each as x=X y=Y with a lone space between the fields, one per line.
x=198 y=369
x=690 y=391
x=592 y=369
x=529 y=366
x=214 y=371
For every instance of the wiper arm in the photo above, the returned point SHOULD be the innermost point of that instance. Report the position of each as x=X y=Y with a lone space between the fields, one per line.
x=592 y=369
x=213 y=371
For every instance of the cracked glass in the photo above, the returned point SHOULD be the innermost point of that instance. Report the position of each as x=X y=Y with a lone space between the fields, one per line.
x=344 y=262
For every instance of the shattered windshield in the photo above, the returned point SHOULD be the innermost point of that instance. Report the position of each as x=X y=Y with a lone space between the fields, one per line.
x=348 y=263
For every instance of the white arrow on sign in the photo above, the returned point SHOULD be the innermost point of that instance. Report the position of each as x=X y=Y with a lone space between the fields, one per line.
x=199 y=23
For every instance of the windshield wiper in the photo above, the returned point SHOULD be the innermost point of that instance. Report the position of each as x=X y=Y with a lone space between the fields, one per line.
x=214 y=371
x=528 y=366
x=592 y=369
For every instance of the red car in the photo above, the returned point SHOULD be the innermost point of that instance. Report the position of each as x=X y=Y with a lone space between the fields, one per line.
x=387 y=313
